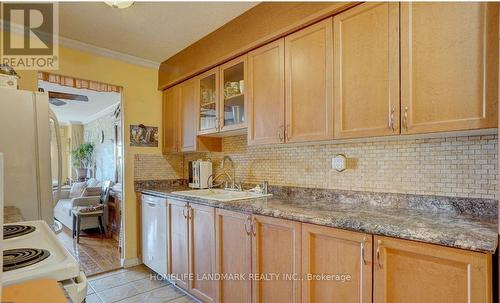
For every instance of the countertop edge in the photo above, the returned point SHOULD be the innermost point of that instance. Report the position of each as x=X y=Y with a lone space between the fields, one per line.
x=382 y=230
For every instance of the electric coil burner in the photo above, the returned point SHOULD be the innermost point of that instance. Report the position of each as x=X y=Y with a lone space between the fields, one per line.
x=22 y=257
x=14 y=230
x=31 y=250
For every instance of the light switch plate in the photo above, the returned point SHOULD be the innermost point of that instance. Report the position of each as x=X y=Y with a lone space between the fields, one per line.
x=339 y=162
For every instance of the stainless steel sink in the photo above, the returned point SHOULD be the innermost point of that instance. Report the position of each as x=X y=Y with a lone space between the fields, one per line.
x=220 y=194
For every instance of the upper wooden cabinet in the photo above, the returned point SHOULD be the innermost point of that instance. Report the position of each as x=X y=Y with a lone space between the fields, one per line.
x=208 y=102
x=376 y=69
x=330 y=251
x=309 y=83
x=366 y=68
x=221 y=98
x=276 y=250
x=233 y=97
x=449 y=71
x=187 y=104
x=412 y=272
x=266 y=94
x=171 y=120
x=179 y=121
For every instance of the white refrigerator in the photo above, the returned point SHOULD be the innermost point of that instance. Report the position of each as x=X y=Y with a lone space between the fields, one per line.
x=25 y=126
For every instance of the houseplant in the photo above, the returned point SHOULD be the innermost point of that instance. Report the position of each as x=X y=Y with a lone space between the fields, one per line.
x=82 y=158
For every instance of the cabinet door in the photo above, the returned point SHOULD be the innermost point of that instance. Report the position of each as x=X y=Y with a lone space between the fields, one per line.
x=207 y=91
x=412 y=272
x=449 y=71
x=232 y=94
x=202 y=251
x=170 y=119
x=329 y=253
x=309 y=83
x=233 y=256
x=367 y=71
x=187 y=129
x=177 y=214
x=276 y=255
x=266 y=94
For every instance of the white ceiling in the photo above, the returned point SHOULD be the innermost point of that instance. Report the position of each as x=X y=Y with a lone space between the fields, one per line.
x=100 y=103
x=149 y=30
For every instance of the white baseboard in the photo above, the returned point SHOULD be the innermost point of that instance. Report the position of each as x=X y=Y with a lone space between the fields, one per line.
x=130 y=262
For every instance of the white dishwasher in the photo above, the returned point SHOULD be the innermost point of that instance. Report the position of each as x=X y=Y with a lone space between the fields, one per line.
x=154 y=233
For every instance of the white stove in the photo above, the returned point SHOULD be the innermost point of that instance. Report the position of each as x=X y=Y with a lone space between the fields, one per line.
x=32 y=251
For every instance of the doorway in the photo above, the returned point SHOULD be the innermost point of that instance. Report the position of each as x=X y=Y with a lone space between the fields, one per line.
x=89 y=142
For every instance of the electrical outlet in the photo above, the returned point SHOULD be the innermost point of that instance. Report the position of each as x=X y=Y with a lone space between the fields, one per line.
x=339 y=162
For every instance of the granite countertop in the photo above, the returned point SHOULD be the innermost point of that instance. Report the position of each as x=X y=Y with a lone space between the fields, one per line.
x=436 y=226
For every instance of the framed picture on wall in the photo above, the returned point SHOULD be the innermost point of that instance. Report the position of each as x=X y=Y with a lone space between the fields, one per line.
x=144 y=136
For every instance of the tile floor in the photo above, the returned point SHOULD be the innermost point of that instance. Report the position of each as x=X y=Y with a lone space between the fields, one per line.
x=133 y=285
x=96 y=254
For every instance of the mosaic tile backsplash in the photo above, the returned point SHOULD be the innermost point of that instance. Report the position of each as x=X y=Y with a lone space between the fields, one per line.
x=158 y=167
x=453 y=166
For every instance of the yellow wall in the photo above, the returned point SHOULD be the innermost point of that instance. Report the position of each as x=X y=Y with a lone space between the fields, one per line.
x=141 y=104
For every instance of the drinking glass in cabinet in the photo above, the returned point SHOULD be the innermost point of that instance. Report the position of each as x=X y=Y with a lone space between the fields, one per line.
x=208 y=99
x=234 y=101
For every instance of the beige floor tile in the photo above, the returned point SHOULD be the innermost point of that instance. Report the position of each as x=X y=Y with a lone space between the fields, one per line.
x=159 y=295
x=93 y=298
x=90 y=290
x=184 y=299
x=138 y=268
x=120 y=278
x=130 y=289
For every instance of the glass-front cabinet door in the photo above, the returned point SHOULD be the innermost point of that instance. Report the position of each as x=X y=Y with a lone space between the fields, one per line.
x=232 y=88
x=208 y=97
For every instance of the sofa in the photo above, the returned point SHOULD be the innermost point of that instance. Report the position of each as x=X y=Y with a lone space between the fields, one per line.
x=85 y=194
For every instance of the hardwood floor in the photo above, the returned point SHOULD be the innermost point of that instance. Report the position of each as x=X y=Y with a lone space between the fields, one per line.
x=134 y=284
x=95 y=254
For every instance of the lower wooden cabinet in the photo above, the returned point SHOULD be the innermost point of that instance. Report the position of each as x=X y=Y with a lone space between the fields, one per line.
x=233 y=256
x=202 y=251
x=412 y=272
x=191 y=247
x=177 y=231
x=336 y=265
x=276 y=256
x=258 y=259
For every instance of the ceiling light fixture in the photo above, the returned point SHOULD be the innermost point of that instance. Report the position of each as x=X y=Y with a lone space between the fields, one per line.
x=119 y=4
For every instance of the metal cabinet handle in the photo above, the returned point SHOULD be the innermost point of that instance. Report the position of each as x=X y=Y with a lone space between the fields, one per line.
x=184 y=213
x=287 y=132
x=254 y=227
x=405 y=118
x=217 y=123
x=248 y=225
x=151 y=204
x=379 y=244
x=363 y=251
x=391 y=118
x=280 y=133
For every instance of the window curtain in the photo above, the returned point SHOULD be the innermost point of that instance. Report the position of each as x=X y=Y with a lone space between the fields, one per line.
x=78 y=83
x=76 y=135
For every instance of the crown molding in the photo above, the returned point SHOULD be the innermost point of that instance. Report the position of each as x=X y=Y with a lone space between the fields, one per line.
x=70 y=43
x=89 y=48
